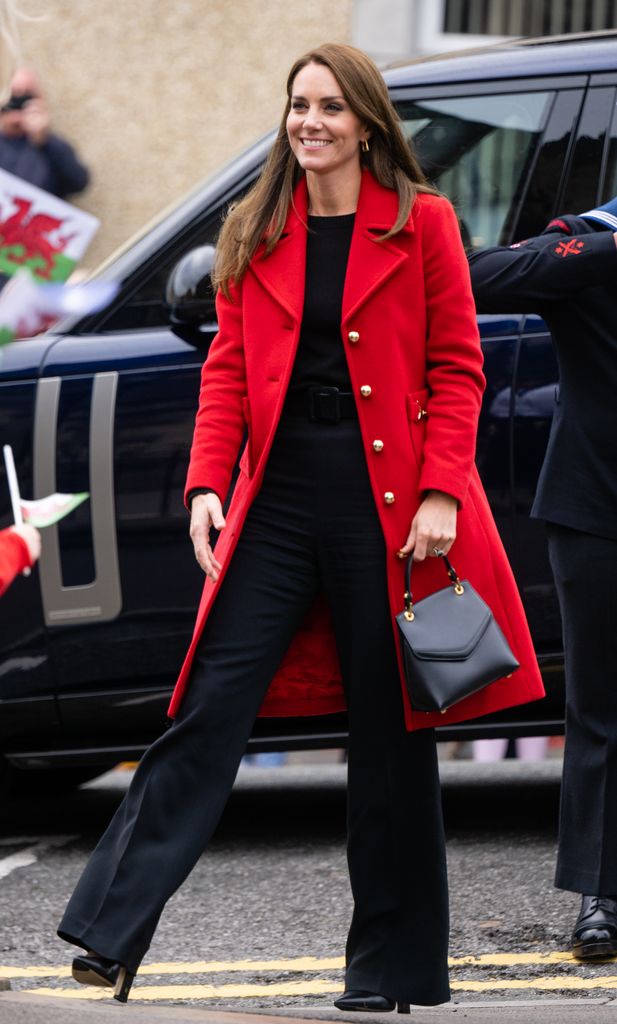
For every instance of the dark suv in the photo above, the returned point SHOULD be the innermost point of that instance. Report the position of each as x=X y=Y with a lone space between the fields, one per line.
x=90 y=646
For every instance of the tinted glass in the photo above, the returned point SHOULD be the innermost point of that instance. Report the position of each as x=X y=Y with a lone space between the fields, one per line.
x=478 y=150
x=146 y=307
x=542 y=199
x=610 y=179
x=585 y=171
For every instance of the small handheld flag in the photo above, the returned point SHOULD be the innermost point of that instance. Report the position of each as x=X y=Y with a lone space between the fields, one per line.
x=50 y=510
x=42 y=512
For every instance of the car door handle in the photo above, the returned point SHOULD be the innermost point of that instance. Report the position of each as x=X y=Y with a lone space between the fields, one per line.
x=101 y=599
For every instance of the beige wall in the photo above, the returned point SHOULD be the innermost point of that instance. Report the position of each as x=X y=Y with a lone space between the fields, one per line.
x=155 y=95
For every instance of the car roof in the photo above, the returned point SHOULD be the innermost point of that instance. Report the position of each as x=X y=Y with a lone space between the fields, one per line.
x=554 y=55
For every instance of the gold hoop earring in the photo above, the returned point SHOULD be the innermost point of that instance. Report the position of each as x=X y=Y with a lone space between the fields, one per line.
x=365 y=145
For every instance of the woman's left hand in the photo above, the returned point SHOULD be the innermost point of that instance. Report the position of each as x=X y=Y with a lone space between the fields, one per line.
x=433 y=530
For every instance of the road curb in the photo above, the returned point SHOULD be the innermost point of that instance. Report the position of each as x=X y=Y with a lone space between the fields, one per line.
x=24 y=1008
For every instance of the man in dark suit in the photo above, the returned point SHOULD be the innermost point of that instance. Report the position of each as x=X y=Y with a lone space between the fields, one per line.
x=568 y=275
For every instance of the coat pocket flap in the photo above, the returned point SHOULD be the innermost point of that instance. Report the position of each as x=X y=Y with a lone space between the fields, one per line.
x=446 y=625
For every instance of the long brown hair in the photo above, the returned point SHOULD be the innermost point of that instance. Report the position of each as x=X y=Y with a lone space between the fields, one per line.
x=264 y=210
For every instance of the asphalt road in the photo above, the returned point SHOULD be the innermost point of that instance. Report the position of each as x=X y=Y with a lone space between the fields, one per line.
x=260 y=924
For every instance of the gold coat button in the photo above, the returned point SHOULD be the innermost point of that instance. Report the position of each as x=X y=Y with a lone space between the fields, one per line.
x=366 y=390
x=353 y=337
x=389 y=498
x=377 y=445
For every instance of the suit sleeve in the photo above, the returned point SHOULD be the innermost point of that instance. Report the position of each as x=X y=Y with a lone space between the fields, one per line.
x=453 y=354
x=549 y=268
x=14 y=557
x=219 y=424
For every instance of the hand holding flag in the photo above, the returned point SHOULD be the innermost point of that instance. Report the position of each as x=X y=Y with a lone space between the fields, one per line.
x=42 y=512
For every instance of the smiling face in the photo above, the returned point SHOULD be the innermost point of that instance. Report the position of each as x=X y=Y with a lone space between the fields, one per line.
x=323 y=131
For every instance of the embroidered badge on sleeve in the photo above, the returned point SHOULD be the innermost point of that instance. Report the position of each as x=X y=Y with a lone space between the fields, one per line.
x=570 y=248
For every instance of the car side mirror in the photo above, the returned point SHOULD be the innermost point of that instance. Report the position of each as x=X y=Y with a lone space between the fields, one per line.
x=189 y=293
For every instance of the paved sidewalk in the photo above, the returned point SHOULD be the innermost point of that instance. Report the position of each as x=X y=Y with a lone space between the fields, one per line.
x=22 y=1008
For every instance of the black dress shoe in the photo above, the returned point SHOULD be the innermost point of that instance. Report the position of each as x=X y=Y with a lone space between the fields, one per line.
x=595 y=932
x=368 y=1002
x=98 y=970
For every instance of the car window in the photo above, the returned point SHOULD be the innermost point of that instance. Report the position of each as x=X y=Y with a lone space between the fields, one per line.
x=146 y=307
x=582 y=189
x=610 y=179
x=478 y=150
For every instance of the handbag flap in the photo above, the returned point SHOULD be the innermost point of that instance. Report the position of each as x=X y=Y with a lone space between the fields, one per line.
x=447 y=625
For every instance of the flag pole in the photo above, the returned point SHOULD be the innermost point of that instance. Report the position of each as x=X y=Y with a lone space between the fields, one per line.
x=13 y=483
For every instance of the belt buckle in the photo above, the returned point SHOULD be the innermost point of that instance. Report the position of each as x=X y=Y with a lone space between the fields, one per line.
x=324 y=404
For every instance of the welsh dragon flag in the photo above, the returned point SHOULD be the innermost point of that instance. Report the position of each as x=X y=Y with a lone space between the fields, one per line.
x=49 y=510
x=40 y=231
x=27 y=308
x=44 y=511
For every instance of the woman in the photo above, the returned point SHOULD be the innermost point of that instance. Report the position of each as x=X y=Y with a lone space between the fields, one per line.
x=349 y=349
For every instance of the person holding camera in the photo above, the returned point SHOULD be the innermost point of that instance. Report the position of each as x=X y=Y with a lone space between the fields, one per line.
x=28 y=149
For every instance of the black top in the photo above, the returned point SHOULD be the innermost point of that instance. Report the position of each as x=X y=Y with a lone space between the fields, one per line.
x=568 y=275
x=320 y=358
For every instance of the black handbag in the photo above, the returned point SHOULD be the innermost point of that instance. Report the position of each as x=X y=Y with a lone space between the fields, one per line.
x=452 y=646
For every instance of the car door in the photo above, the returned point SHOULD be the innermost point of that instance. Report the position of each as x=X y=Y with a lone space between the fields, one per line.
x=28 y=709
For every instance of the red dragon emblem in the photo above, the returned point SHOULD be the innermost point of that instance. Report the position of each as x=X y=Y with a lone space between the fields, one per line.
x=26 y=236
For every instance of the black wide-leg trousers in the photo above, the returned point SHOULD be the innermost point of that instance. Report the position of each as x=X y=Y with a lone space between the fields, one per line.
x=585 y=570
x=313 y=527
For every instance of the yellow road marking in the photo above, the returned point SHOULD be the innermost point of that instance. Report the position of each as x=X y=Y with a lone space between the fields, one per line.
x=35 y=972
x=512 y=959
x=306 y=963
x=247 y=991
x=568 y=981
x=315 y=988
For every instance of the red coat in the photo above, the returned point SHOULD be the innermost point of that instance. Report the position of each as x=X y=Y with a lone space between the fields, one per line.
x=409 y=331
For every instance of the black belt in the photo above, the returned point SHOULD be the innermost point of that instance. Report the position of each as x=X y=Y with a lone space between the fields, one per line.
x=321 y=403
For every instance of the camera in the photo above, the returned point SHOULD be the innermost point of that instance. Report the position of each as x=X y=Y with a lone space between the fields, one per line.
x=18 y=102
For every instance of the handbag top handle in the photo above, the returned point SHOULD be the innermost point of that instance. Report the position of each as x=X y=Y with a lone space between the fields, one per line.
x=452 y=574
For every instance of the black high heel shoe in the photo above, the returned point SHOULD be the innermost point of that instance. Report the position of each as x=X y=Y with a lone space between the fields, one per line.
x=92 y=969
x=369 y=1002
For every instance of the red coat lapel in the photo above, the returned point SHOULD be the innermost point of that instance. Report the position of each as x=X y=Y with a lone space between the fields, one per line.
x=370 y=264
x=282 y=272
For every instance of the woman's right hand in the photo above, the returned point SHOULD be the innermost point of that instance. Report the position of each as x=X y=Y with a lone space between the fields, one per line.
x=206 y=512
x=32 y=538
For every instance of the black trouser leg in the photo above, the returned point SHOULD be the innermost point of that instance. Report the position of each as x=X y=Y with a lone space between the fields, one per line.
x=398 y=940
x=183 y=782
x=585 y=570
